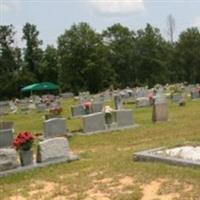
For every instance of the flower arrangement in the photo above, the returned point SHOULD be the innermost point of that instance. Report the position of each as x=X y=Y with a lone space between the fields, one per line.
x=23 y=141
x=56 y=110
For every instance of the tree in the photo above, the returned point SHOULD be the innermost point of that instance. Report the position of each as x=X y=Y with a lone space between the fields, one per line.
x=122 y=53
x=82 y=59
x=49 y=66
x=171 y=27
x=10 y=62
x=151 y=54
x=32 y=52
x=188 y=56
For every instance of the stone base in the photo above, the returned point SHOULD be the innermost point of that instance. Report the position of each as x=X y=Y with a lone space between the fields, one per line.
x=71 y=158
x=152 y=156
x=116 y=128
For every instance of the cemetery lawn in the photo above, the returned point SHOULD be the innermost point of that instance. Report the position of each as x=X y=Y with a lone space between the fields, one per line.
x=106 y=170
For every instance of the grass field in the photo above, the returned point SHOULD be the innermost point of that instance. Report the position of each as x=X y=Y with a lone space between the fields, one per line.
x=106 y=170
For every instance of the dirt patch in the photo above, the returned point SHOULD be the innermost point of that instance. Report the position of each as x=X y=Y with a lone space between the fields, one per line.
x=96 y=194
x=108 y=187
x=126 y=181
x=104 y=181
x=60 y=198
x=18 y=197
x=150 y=191
x=47 y=189
x=95 y=174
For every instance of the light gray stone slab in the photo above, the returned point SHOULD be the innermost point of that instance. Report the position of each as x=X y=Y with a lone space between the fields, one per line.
x=55 y=127
x=142 y=102
x=77 y=111
x=124 y=118
x=195 y=95
x=41 y=107
x=176 y=98
x=6 y=134
x=8 y=159
x=54 y=148
x=152 y=156
x=118 y=102
x=97 y=107
x=35 y=165
x=160 y=112
x=93 y=122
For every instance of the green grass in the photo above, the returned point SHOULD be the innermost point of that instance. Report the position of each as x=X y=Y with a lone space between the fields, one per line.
x=109 y=155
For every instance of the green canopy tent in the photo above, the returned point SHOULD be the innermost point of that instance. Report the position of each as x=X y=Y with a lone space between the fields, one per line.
x=40 y=87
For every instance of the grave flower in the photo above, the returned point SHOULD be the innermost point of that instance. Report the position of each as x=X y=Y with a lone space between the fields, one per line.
x=23 y=141
x=56 y=110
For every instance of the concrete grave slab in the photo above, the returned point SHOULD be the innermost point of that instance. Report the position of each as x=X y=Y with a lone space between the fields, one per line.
x=183 y=156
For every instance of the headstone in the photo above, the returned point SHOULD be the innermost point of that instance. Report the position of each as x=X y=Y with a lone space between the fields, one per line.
x=118 y=102
x=52 y=149
x=8 y=159
x=24 y=107
x=176 y=98
x=124 y=118
x=160 y=112
x=77 y=111
x=195 y=95
x=93 y=122
x=124 y=94
x=97 y=107
x=6 y=134
x=67 y=95
x=41 y=107
x=55 y=127
x=4 y=107
x=142 y=102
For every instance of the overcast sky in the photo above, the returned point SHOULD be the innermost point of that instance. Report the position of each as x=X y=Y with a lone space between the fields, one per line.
x=52 y=17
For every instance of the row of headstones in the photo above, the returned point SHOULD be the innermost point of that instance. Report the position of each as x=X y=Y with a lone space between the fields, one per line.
x=97 y=122
x=78 y=110
x=54 y=145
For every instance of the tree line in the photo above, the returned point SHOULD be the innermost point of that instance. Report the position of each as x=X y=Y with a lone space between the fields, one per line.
x=84 y=59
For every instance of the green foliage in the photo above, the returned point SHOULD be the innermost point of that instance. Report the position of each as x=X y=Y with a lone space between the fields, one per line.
x=83 y=63
x=32 y=53
x=87 y=60
x=122 y=53
x=151 y=52
x=188 y=55
x=49 y=65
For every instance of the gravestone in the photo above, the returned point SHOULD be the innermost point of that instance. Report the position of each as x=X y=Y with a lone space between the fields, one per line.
x=41 y=107
x=142 y=102
x=6 y=134
x=124 y=94
x=160 y=112
x=4 y=107
x=55 y=127
x=67 y=95
x=97 y=107
x=77 y=111
x=118 y=102
x=124 y=118
x=52 y=149
x=195 y=95
x=93 y=122
x=24 y=107
x=176 y=98
x=8 y=159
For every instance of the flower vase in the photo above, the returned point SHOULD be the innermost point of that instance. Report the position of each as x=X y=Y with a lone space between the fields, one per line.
x=26 y=157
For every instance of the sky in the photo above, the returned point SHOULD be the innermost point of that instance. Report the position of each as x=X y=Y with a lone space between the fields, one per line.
x=53 y=17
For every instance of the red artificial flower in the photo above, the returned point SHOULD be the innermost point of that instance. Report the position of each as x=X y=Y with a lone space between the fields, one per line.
x=23 y=140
